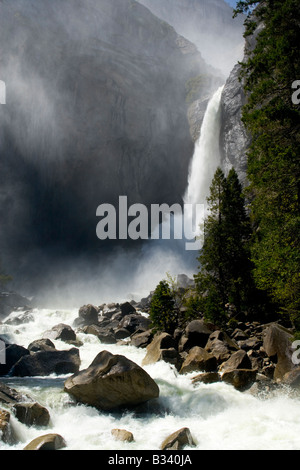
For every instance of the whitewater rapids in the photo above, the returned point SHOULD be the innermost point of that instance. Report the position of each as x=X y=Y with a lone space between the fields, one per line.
x=219 y=417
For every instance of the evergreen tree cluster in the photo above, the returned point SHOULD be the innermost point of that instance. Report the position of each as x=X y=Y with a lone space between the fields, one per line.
x=250 y=260
x=273 y=121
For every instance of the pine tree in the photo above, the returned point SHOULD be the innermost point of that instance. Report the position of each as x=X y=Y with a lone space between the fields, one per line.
x=163 y=314
x=273 y=121
x=225 y=269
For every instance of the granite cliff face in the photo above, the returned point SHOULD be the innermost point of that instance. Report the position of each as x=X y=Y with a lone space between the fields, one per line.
x=208 y=24
x=96 y=108
x=234 y=140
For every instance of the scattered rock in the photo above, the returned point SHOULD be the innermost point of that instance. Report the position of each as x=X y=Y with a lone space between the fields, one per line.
x=44 y=363
x=134 y=321
x=87 y=315
x=61 y=332
x=292 y=378
x=160 y=342
x=19 y=318
x=238 y=360
x=13 y=353
x=198 y=359
x=31 y=414
x=241 y=379
x=122 y=435
x=178 y=440
x=104 y=334
x=6 y=433
x=141 y=339
x=110 y=382
x=206 y=378
x=196 y=334
x=10 y=396
x=277 y=342
x=47 y=442
x=127 y=309
x=44 y=344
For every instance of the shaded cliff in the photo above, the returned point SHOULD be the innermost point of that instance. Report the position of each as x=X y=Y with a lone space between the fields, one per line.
x=96 y=108
x=208 y=24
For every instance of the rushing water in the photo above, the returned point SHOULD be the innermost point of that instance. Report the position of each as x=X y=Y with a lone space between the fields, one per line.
x=218 y=416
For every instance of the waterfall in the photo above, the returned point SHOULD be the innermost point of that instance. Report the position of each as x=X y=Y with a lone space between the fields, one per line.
x=206 y=157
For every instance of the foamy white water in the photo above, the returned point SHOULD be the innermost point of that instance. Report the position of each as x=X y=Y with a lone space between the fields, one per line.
x=218 y=416
x=205 y=161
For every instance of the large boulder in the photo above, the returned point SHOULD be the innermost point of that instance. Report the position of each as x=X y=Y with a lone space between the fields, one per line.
x=111 y=382
x=160 y=342
x=198 y=359
x=238 y=360
x=87 y=315
x=196 y=333
x=104 y=334
x=13 y=353
x=31 y=414
x=61 y=332
x=135 y=321
x=241 y=379
x=277 y=343
x=44 y=363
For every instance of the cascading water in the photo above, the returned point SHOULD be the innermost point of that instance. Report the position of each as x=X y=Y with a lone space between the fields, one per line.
x=205 y=161
x=218 y=416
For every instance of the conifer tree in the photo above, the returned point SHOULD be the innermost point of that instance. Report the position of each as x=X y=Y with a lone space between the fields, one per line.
x=273 y=121
x=225 y=269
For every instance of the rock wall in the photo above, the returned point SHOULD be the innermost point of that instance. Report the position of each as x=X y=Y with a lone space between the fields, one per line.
x=96 y=108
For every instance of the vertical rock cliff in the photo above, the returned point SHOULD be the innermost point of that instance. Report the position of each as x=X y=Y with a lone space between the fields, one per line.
x=96 y=108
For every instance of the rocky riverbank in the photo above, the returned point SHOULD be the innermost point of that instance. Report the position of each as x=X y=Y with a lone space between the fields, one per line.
x=251 y=357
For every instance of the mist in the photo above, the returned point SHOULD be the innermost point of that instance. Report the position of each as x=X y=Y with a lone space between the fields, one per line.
x=95 y=109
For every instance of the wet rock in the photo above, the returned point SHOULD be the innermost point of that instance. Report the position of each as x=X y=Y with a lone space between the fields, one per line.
x=87 y=315
x=31 y=414
x=196 y=334
x=19 y=318
x=44 y=344
x=141 y=339
x=6 y=433
x=47 y=442
x=160 y=342
x=178 y=440
x=127 y=309
x=44 y=363
x=206 y=378
x=292 y=378
x=238 y=360
x=13 y=353
x=135 y=321
x=10 y=396
x=122 y=435
x=278 y=342
x=61 y=332
x=104 y=334
x=110 y=382
x=241 y=379
x=198 y=359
